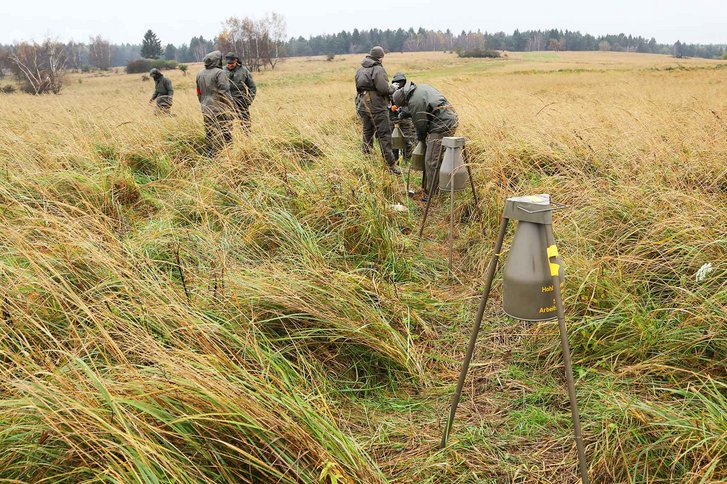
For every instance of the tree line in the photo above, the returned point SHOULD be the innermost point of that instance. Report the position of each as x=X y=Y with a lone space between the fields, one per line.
x=245 y=35
x=400 y=40
x=262 y=43
x=99 y=53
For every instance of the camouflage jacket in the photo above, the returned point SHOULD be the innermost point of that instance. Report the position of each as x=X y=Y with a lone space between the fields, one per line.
x=372 y=86
x=429 y=109
x=162 y=87
x=213 y=88
x=242 y=84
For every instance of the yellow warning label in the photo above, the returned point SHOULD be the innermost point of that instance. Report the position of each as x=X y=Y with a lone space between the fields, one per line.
x=552 y=251
x=554 y=268
x=546 y=289
x=547 y=309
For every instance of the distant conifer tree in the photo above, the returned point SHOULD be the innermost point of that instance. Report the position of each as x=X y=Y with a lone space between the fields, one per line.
x=151 y=46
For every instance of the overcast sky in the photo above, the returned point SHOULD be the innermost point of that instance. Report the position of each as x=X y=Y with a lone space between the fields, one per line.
x=176 y=21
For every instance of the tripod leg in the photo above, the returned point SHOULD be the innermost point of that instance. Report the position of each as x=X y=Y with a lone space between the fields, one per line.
x=474 y=192
x=552 y=251
x=472 y=182
x=475 y=330
x=435 y=179
x=408 y=176
x=451 y=219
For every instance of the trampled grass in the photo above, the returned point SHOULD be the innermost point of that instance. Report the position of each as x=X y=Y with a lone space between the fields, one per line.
x=264 y=316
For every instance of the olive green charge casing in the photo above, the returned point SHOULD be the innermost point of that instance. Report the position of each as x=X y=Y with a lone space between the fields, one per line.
x=527 y=280
x=417 y=156
x=398 y=141
x=453 y=168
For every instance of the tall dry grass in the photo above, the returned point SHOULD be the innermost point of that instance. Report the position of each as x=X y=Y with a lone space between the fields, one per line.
x=264 y=316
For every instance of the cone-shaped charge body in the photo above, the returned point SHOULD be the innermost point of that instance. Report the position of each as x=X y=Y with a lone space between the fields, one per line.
x=453 y=163
x=527 y=284
x=398 y=142
x=417 y=156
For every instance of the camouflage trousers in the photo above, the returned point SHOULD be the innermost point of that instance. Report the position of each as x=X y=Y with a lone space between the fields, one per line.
x=164 y=105
x=376 y=124
x=407 y=128
x=433 y=159
x=217 y=131
x=242 y=110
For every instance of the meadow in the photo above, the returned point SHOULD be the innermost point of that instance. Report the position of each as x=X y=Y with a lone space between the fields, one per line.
x=265 y=316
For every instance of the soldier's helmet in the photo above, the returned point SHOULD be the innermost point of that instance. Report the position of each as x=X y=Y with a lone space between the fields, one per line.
x=399 y=77
x=155 y=72
x=231 y=55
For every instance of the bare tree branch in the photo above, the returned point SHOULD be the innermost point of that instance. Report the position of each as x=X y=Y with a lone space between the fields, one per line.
x=39 y=67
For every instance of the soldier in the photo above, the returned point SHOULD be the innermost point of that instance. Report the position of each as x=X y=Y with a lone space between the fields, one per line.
x=242 y=88
x=434 y=118
x=213 y=92
x=163 y=92
x=372 y=105
x=400 y=115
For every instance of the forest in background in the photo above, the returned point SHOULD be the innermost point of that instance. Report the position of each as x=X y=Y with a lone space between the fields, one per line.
x=269 y=33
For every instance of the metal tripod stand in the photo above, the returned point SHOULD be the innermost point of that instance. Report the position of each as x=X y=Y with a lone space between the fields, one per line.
x=544 y=219
x=434 y=183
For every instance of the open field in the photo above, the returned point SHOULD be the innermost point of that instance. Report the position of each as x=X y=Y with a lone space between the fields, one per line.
x=265 y=317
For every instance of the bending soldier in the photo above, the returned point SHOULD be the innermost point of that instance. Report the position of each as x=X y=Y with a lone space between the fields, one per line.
x=163 y=92
x=372 y=105
x=242 y=88
x=213 y=92
x=434 y=118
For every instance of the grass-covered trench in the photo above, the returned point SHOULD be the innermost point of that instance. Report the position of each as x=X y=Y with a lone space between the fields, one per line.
x=266 y=316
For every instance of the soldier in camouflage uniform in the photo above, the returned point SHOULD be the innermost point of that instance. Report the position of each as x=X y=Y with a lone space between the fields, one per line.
x=242 y=88
x=434 y=118
x=163 y=92
x=213 y=92
x=400 y=115
x=372 y=105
